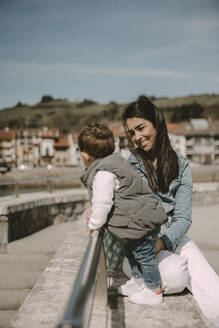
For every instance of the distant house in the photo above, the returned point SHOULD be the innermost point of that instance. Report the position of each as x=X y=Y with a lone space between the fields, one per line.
x=8 y=146
x=48 y=140
x=177 y=139
x=201 y=140
x=35 y=146
x=61 y=152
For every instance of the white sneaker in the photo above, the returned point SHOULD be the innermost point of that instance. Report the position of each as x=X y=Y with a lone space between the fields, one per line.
x=146 y=296
x=131 y=286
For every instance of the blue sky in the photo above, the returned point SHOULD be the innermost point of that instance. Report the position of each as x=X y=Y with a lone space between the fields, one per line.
x=107 y=50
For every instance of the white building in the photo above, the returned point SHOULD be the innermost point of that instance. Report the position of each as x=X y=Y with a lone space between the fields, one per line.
x=201 y=140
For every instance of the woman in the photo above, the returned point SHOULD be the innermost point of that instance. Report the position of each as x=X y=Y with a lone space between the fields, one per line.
x=168 y=174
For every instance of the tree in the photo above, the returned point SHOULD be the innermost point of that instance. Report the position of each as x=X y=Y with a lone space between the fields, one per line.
x=186 y=112
x=46 y=98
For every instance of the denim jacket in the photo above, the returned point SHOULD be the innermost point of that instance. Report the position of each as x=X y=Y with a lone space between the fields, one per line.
x=177 y=202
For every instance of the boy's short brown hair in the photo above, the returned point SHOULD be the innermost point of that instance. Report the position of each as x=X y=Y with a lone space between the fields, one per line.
x=97 y=140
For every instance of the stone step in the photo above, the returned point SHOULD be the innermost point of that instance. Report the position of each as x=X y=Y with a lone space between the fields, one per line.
x=15 y=281
x=5 y=317
x=12 y=299
x=23 y=262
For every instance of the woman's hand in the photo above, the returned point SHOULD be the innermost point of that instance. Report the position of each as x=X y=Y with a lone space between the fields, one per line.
x=159 y=245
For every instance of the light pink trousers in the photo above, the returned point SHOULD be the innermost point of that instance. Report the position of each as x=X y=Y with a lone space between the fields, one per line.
x=188 y=267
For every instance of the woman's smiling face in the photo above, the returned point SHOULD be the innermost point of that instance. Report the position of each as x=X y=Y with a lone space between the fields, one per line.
x=142 y=132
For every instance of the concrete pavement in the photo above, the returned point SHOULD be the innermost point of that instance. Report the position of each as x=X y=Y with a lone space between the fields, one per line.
x=22 y=265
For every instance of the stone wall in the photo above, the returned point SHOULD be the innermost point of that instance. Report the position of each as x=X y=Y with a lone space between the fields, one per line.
x=28 y=221
x=20 y=217
x=205 y=193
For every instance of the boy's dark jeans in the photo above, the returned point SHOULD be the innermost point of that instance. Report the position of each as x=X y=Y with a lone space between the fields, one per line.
x=141 y=257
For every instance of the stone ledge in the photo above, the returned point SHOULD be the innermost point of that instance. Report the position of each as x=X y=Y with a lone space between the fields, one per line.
x=206 y=186
x=205 y=173
x=20 y=217
x=26 y=201
x=176 y=311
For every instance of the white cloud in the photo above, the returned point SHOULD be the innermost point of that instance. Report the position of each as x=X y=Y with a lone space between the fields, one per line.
x=21 y=69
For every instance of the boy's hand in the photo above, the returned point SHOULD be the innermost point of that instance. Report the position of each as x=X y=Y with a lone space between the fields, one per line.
x=89 y=211
x=158 y=245
x=88 y=214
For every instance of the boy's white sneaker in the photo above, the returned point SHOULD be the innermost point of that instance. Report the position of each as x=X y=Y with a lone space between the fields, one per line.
x=146 y=296
x=131 y=286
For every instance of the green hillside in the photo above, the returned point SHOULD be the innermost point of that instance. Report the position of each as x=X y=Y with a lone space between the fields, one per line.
x=71 y=116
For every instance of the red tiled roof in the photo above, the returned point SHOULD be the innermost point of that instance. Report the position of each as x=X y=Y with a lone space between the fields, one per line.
x=62 y=143
x=7 y=135
x=187 y=129
x=174 y=128
x=48 y=135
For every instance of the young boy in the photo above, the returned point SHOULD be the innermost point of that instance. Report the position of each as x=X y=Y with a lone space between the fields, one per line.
x=126 y=206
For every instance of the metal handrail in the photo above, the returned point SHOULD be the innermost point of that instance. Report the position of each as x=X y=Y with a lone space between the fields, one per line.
x=79 y=308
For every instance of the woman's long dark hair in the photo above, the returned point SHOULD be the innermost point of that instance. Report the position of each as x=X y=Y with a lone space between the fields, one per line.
x=167 y=160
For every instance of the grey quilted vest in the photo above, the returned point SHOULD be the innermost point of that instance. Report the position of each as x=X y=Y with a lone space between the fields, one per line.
x=136 y=211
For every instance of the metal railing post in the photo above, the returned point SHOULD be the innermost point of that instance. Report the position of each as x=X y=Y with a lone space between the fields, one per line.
x=49 y=185
x=16 y=188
